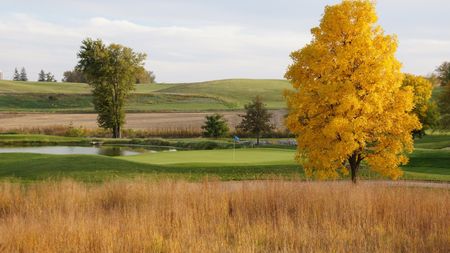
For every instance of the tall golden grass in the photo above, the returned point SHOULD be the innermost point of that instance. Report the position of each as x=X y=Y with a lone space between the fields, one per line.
x=174 y=216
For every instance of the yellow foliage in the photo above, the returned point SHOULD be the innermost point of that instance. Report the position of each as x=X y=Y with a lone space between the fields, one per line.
x=348 y=98
x=422 y=92
x=424 y=107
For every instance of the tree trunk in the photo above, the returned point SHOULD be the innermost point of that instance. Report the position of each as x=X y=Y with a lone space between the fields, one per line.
x=354 y=162
x=116 y=132
x=257 y=139
x=354 y=170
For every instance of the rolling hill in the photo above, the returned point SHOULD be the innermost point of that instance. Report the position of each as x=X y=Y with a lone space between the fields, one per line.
x=231 y=94
x=218 y=95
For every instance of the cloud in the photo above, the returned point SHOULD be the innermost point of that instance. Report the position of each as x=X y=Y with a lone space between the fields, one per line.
x=176 y=53
x=182 y=53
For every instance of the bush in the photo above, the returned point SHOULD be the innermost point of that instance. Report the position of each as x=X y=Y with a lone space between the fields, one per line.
x=215 y=126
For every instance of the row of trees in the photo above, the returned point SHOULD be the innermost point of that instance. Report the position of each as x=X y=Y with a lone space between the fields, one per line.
x=256 y=121
x=74 y=76
x=46 y=77
x=22 y=76
x=42 y=77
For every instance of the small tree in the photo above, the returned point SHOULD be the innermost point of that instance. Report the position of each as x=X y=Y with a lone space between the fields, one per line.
x=256 y=120
x=111 y=71
x=73 y=76
x=23 y=75
x=16 y=76
x=145 y=77
x=41 y=77
x=215 y=126
x=49 y=77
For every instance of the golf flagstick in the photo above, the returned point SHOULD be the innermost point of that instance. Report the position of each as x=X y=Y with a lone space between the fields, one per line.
x=235 y=139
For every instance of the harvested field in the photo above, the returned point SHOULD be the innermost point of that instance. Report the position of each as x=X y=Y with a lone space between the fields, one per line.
x=134 y=120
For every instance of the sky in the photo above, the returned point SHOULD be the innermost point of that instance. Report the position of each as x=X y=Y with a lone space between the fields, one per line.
x=199 y=40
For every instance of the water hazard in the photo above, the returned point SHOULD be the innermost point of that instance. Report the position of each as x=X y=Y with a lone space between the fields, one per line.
x=77 y=150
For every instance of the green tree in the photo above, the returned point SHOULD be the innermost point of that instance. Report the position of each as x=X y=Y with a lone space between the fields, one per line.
x=215 y=126
x=73 y=76
x=256 y=120
x=444 y=108
x=42 y=76
x=16 y=76
x=23 y=75
x=443 y=73
x=49 y=77
x=111 y=71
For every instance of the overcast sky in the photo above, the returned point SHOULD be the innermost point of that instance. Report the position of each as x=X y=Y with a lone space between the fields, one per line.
x=197 y=40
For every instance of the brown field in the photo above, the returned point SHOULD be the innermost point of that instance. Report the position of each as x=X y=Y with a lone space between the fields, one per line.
x=174 y=216
x=134 y=120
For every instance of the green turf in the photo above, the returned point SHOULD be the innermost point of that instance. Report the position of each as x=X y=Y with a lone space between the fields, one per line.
x=193 y=165
x=97 y=168
x=433 y=141
x=218 y=158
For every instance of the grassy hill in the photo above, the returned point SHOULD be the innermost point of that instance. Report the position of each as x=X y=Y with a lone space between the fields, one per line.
x=229 y=94
x=236 y=91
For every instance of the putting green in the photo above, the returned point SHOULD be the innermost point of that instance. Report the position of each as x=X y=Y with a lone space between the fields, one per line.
x=218 y=157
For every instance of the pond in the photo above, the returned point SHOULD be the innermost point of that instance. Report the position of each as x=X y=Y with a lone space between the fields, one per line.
x=78 y=150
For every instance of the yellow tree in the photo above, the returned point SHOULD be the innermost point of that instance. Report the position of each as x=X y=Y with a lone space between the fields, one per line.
x=348 y=103
x=424 y=107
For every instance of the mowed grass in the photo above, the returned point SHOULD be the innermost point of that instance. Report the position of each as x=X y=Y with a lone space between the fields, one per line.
x=25 y=167
x=430 y=161
x=176 y=216
x=249 y=164
x=230 y=94
x=218 y=158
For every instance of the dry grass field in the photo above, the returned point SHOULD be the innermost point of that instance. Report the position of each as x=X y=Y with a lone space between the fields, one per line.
x=188 y=120
x=176 y=216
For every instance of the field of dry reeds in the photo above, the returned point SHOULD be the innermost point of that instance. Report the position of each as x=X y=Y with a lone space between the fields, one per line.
x=167 y=132
x=176 y=216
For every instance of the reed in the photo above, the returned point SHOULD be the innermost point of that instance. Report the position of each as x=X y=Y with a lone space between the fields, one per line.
x=164 y=132
x=177 y=216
